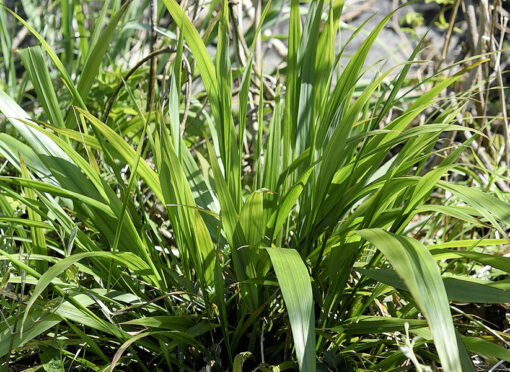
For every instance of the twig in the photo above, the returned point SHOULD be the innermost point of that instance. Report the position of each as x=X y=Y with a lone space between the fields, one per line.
x=485 y=160
x=468 y=9
x=239 y=35
x=396 y=27
x=450 y=30
x=18 y=39
x=475 y=43
x=479 y=150
x=349 y=16
x=111 y=101
x=480 y=323
x=501 y=90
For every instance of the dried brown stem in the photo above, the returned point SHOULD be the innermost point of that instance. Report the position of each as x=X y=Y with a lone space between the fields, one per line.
x=111 y=101
x=450 y=29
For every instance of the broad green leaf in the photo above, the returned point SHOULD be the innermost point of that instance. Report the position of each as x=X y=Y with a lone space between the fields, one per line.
x=239 y=360
x=496 y=261
x=490 y=207
x=294 y=282
x=420 y=273
x=457 y=288
x=469 y=243
x=251 y=219
x=368 y=324
x=36 y=324
x=489 y=349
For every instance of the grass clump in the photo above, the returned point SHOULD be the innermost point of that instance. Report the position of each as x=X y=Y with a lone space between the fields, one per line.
x=239 y=221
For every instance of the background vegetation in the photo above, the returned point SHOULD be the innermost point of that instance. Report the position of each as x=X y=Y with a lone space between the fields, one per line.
x=167 y=203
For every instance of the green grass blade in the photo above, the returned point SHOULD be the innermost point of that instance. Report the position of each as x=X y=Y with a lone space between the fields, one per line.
x=292 y=85
x=179 y=336
x=38 y=238
x=490 y=207
x=496 y=261
x=11 y=149
x=37 y=69
x=273 y=156
x=294 y=282
x=457 y=288
x=367 y=324
x=95 y=57
x=193 y=239
x=54 y=58
x=229 y=214
x=306 y=61
x=127 y=152
x=202 y=58
x=251 y=219
x=66 y=28
x=489 y=349
x=56 y=190
x=7 y=52
x=243 y=100
x=289 y=200
x=126 y=258
x=38 y=323
x=469 y=243
x=229 y=151
x=98 y=50
x=99 y=24
x=219 y=93
x=417 y=268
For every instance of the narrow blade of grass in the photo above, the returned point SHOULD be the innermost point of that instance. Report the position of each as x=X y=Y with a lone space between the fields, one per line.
x=37 y=69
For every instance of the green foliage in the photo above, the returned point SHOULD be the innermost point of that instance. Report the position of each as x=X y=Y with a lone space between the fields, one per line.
x=306 y=236
x=412 y=19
